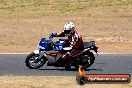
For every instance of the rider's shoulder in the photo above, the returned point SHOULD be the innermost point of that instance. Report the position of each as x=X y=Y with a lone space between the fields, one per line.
x=76 y=32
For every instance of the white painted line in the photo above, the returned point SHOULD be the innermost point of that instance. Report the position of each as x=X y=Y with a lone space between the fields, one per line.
x=94 y=53
x=14 y=53
x=113 y=53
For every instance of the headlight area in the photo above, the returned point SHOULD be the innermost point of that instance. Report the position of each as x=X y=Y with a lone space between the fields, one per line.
x=41 y=48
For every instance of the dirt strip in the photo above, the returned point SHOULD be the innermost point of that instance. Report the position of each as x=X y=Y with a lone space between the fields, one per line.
x=50 y=82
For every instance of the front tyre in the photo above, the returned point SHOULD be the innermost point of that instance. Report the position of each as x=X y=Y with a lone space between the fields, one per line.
x=33 y=61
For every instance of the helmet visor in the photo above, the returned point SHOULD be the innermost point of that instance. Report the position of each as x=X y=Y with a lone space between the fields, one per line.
x=66 y=31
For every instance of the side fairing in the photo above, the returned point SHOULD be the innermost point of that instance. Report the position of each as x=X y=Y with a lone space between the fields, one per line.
x=52 y=56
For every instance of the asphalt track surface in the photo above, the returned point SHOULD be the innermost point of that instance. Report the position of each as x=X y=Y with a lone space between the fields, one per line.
x=14 y=64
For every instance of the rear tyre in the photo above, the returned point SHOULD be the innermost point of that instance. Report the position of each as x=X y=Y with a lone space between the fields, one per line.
x=87 y=60
x=34 y=62
x=68 y=67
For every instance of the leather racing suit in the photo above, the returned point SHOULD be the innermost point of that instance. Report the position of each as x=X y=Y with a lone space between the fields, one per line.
x=75 y=40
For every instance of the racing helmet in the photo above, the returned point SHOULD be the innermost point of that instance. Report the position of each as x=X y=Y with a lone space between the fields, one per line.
x=68 y=27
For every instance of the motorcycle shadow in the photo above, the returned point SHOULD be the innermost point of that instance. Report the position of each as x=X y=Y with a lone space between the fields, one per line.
x=72 y=69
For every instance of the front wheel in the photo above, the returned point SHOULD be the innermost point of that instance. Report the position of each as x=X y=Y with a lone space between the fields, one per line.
x=87 y=59
x=33 y=61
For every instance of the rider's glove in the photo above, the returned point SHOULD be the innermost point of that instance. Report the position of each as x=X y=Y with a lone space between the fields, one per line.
x=53 y=34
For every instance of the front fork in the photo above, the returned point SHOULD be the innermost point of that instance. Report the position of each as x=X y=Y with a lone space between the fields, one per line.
x=40 y=53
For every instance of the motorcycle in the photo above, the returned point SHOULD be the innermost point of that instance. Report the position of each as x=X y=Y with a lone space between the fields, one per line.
x=51 y=52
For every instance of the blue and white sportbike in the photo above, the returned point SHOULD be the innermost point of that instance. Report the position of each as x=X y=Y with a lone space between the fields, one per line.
x=51 y=53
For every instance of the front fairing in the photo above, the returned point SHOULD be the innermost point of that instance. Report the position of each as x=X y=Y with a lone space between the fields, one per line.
x=59 y=45
x=45 y=44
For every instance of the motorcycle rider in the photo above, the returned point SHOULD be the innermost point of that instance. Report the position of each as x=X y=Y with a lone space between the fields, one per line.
x=75 y=40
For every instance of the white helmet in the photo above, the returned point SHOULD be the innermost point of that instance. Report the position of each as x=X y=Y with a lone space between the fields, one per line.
x=68 y=27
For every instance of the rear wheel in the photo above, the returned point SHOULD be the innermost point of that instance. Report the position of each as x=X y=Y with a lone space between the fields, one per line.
x=68 y=66
x=87 y=60
x=33 y=61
